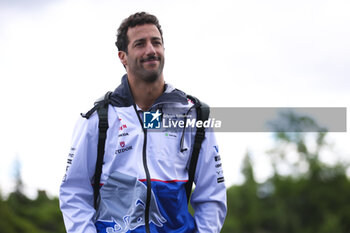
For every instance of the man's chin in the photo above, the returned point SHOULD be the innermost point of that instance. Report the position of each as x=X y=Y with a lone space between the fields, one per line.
x=151 y=77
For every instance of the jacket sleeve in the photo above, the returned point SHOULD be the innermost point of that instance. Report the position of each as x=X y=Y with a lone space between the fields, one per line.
x=76 y=192
x=209 y=197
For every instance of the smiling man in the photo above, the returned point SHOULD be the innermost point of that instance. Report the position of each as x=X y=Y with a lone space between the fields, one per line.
x=146 y=176
x=144 y=57
x=144 y=61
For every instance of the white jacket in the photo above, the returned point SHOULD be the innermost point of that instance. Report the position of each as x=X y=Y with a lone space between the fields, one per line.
x=134 y=160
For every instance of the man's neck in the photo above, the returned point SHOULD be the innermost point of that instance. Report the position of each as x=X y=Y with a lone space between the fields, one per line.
x=145 y=93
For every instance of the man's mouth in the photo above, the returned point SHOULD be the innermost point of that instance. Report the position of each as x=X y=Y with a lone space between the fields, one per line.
x=150 y=59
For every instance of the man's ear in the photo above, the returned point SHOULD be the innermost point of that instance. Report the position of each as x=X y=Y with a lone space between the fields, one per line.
x=123 y=57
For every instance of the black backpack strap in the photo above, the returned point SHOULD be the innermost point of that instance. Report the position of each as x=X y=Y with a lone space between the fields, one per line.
x=202 y=110
x=98 y=104
x=101 y=106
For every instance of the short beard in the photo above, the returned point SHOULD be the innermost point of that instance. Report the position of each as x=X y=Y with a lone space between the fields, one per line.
x=150 y=76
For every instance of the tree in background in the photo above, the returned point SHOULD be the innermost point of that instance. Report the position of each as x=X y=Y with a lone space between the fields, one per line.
x=242 y=203
x=19 y=214
x=304 y=195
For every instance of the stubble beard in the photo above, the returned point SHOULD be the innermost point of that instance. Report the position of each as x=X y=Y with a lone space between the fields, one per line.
x=148 y=76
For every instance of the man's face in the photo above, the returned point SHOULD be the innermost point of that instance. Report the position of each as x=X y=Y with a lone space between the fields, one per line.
x=145 y=57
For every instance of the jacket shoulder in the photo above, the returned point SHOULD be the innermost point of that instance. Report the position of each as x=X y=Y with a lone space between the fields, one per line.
x=101 y=102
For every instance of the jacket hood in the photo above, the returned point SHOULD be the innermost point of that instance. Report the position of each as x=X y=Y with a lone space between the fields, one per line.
x=122 y=96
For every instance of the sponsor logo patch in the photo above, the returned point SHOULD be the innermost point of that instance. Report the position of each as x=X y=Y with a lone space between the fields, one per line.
x=123 y=148
x=69 y=162
x=123 y=135
x=123 y=126
x=172 y=135
x=220 y=179
x=216 y=149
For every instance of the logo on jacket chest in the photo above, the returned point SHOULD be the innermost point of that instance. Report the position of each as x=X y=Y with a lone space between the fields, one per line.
x=122 y=125
x=123 y=134
x=123 y=147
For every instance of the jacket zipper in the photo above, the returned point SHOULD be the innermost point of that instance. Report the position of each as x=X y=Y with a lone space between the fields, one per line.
x=148 y=177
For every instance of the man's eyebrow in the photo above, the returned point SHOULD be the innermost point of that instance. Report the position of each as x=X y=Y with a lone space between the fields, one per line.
x=144 y=39
x=156 y=38
x=139 y=40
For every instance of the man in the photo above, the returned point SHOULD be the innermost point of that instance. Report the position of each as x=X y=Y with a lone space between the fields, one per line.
x=144 y=172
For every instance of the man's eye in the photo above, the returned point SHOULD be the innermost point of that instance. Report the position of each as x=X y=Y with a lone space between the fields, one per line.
x=138 y=44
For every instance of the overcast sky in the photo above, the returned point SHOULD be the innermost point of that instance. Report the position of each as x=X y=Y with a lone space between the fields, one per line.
x=57 y=57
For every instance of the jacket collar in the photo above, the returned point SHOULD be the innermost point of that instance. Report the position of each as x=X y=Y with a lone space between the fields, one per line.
x=122 y=96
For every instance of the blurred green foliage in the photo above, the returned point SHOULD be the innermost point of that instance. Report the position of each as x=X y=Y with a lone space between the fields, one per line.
x=311 y=197
x=19 y=214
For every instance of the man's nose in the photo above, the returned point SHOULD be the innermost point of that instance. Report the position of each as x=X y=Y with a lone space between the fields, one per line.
x=150 y=50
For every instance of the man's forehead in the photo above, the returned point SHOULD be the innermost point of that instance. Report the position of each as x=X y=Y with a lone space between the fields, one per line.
x=143 y=32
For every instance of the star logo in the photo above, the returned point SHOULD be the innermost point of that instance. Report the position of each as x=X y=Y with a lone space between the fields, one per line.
x=151 y=120
x=156 y=115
